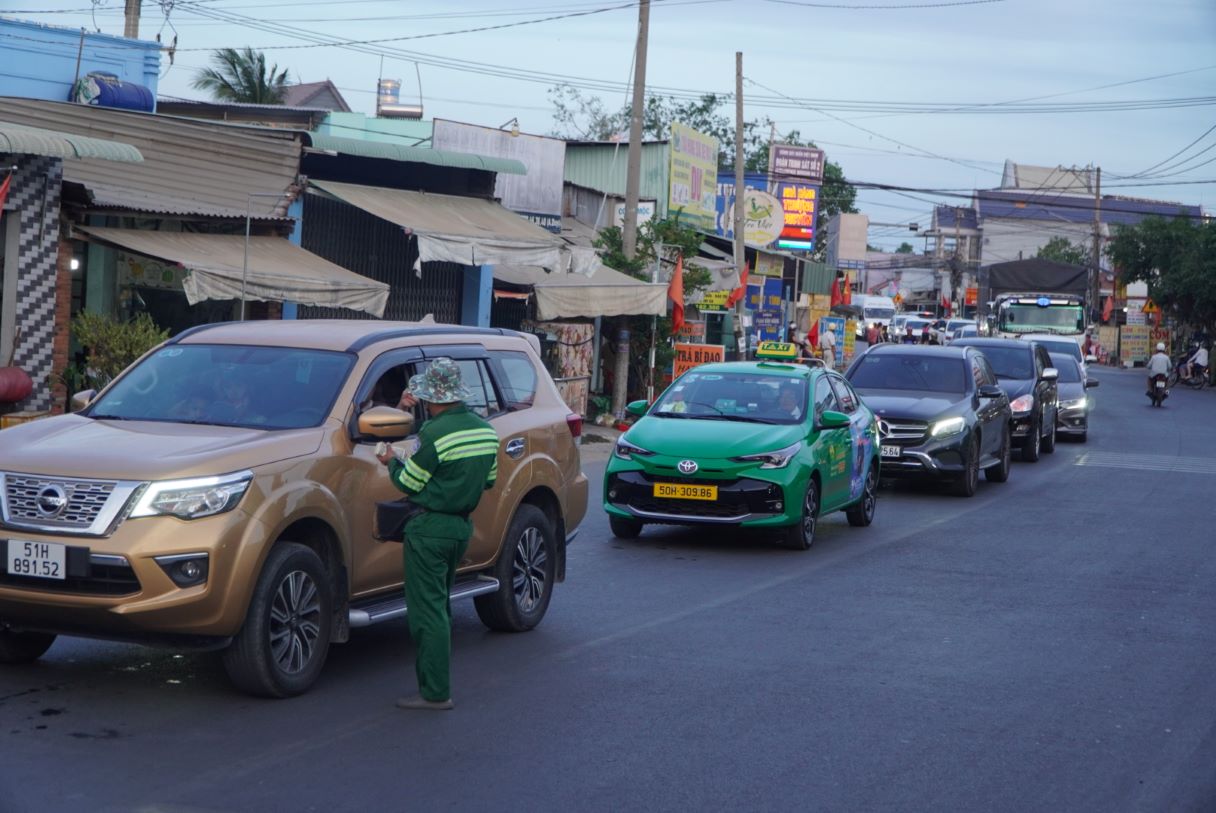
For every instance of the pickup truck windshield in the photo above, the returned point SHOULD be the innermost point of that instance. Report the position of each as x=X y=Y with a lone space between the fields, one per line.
x=228 y=385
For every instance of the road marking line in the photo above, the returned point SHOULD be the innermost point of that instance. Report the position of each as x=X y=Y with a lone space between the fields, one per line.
x=1149 y=462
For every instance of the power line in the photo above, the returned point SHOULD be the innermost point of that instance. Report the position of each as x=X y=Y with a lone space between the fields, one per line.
x=1175 y=155
x=867 y=7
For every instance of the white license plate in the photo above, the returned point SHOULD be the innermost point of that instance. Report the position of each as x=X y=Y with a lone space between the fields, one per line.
x=891 y=451
x=1161 y=385
x=43 y=560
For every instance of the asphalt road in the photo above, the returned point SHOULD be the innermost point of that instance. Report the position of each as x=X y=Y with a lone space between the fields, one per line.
x=1049 y=644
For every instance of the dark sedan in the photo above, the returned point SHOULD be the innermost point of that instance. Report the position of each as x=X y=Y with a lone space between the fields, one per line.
x=941 y=413
x=1075 y=402
x=1024 y=371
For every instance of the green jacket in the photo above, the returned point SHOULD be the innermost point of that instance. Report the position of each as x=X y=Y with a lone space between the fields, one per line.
x=457 y=459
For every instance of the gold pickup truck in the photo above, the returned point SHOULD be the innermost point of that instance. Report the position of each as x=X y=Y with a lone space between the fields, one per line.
x=221 y=494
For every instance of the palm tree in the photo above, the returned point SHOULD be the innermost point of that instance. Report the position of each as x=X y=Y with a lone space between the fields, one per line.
x=241 y=76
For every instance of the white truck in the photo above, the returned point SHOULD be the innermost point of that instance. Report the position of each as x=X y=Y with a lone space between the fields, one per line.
x=875 y=310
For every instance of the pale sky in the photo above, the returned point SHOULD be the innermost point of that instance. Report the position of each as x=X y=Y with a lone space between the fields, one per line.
x=961 y=55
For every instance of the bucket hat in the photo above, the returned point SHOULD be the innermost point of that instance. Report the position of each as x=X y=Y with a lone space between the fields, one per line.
x=440 y=384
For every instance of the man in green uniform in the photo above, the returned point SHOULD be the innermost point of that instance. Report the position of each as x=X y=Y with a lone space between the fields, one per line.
x=456 y=460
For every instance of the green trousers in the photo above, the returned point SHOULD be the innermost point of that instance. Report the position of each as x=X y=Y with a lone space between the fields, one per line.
x=430 y=572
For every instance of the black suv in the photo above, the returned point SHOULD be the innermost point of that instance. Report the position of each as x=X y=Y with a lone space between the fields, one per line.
x=940 y=413
x=1024 y=371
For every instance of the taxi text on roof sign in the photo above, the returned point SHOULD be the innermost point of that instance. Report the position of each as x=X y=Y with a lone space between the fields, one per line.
x=776 y=350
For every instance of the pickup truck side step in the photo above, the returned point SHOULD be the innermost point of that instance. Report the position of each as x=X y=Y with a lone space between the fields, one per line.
x=381 y=608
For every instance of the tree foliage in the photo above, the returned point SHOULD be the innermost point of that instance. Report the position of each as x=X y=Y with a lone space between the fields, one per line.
x=585 y=117
x=905 y=248
x=673 y=240
x=242 y=76
x=1061 y=250
x=110 y=346
x=1177 y=258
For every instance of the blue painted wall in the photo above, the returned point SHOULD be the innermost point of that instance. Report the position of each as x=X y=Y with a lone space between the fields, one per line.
x=478 y=293
x=296 y=210
x=39 y=61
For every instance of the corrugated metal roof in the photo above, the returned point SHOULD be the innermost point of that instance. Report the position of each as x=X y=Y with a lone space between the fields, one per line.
x=601 y=166
x=418 y=155
x=17 y=138
x=189 y=166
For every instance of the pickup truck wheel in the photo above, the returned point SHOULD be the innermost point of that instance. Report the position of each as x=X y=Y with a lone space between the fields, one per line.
x=282 y=646
x=624 y=527
x=23 y=647
x=525 y=570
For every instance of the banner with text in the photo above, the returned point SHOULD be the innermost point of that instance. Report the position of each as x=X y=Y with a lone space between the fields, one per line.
x=693 y=177
x=693 y=355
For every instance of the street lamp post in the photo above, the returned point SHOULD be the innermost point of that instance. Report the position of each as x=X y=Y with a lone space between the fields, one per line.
x=248 y=222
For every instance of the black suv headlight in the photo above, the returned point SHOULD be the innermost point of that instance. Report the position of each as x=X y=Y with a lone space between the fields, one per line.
x=948 y=426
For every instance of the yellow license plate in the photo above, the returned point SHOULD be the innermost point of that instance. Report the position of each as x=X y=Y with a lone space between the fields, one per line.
x=681 y=491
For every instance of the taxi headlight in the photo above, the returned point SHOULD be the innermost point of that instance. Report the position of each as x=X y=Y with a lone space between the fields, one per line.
x=194 y=498
x=771 y=460
x=949 y=426
x=626 y=450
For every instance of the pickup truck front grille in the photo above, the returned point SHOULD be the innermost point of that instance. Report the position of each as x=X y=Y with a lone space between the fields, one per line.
x=65 y=505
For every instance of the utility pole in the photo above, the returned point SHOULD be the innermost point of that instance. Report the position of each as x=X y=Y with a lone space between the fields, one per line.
x=1095 y=282
x=740 y=194
x=633 y=177
x=130 y=27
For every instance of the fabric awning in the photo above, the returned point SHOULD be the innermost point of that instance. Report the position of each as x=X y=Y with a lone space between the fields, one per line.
x=278 y=270
x=451 y=228
x=603 y=292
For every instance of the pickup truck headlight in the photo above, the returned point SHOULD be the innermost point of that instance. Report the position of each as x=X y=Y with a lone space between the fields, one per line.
x=1023 y=403
x=194 y=498
x=626 y=450
x=949 y=426
x=771 y=460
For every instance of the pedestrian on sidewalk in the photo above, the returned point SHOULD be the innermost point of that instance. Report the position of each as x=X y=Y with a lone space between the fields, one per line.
x=456 y=460
x=829 y=348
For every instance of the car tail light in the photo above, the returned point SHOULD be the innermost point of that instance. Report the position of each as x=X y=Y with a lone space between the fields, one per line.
x=575 y=422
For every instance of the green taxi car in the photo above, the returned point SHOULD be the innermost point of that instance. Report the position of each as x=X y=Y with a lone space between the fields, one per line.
x=754 y=445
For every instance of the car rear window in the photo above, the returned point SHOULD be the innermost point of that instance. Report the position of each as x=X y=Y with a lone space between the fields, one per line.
x=1010 y=362
x=516 y=376
x=908 y=372
x=1070 y=372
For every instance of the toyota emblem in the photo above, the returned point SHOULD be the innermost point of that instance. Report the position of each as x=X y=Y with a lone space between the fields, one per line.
x=51 y=500
x=687 y=467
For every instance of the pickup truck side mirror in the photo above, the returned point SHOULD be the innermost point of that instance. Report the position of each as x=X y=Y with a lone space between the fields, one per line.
x=82 y=399
x=386 y=423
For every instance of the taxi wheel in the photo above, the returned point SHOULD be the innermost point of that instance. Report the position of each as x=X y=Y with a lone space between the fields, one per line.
x=23 y=647
x=862 y=513
x=624 y=527
x=802 y=535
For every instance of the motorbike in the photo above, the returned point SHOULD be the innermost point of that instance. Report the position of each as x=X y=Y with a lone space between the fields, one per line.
x=1199 y=375
x=1157 y=389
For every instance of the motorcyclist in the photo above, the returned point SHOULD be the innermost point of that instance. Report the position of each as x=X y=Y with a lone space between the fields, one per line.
x=1198 y=359
x=1158 y=364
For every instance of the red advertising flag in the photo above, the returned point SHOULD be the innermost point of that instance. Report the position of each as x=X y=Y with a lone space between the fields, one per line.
x=675 y=292
x=1108 y=308
x=836 y=297
x=8 y=179
x=812 y=336
x=739 y=292
x=846 y=293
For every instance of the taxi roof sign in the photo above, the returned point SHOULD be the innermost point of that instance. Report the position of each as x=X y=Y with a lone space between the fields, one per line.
x=786 y=351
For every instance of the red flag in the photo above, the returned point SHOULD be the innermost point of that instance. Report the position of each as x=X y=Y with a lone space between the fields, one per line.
x=1108 y=308
x=846 y=292
x=8 y=179
x=739 y=292
x=836 y=297
x=812 y=336
x=946 y=306
x=675 y=292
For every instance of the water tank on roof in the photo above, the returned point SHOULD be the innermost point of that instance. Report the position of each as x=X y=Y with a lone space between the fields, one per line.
x=107 y=90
